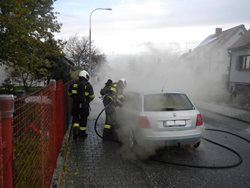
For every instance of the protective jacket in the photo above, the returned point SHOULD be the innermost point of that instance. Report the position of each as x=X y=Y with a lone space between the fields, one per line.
x=81 y=91
x=112 y=95
x=109 y=96
x=120 y=94
x=114 y=92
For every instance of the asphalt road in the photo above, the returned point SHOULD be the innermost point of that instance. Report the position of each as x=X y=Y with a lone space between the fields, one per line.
x=97 y=163
x=208 y=154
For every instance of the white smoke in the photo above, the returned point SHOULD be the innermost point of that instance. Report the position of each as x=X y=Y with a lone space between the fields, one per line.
x=156 y=71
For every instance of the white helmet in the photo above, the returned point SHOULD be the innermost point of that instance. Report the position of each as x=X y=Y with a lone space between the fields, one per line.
x=84 y=74
x=123 y=82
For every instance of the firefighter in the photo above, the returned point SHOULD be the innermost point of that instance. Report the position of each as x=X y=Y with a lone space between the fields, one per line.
x=108 y=94
x=82 y=94
x=112 y=95
x=121 y=85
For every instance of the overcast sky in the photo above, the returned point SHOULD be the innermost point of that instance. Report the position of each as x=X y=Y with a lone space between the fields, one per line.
x=133 y=25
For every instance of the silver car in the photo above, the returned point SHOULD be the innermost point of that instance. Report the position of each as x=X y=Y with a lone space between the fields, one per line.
x=165 y=119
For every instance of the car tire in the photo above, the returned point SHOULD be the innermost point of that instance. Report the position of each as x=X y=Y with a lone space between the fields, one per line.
x=196 y=145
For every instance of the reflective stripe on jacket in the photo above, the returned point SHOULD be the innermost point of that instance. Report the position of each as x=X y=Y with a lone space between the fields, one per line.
x=82 y=91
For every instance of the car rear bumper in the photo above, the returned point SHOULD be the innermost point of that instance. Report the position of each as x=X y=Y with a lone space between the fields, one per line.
x=172 y=137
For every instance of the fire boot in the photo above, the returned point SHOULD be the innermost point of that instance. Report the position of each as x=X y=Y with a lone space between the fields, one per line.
x=107 y=132
x=75 y=133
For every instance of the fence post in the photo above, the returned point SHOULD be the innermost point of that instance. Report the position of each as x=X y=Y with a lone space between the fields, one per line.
x=7 y=110
x=54 y=123
x=1 y=152
x=60 y=113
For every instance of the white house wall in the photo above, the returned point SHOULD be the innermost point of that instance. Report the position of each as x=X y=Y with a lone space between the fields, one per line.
x=221 y=58
x=237 y=75
x=214 y=58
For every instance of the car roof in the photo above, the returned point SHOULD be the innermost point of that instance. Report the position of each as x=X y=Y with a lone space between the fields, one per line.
x=155 y=93
x=152 y=93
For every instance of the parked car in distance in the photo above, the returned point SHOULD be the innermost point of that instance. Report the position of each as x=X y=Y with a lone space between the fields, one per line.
x=167 y=119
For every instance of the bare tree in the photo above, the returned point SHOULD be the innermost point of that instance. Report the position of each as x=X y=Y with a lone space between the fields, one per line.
x=77 y=50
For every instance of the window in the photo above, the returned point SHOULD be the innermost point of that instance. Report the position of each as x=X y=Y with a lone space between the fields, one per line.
x=167 y=102
x=244 y=63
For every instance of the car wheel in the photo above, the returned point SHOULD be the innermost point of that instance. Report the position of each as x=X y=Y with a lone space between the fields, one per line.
x=196 y=145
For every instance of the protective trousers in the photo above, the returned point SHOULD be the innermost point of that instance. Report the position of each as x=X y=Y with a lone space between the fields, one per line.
x=80 y=113
x=110 y=112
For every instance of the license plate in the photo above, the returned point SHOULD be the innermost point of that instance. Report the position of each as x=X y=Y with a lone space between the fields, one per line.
x=174 y=123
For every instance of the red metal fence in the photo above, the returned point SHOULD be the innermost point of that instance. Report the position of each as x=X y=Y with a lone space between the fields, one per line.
x=1 y=152
x=38 y=127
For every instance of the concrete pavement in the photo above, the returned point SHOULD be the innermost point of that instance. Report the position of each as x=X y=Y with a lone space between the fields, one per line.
x=93 y=162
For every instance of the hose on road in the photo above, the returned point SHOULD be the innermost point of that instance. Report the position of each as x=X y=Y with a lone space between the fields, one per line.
x=237 y=163
x=240 y=160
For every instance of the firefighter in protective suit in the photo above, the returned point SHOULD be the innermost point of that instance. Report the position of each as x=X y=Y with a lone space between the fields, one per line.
x=112 y=95
x=121 y=85
x=82 y=94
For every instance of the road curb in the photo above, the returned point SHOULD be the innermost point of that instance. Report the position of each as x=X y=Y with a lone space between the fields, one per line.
x=57 y=175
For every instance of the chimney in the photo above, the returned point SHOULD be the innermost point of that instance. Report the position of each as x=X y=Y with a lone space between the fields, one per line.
x=218 y=31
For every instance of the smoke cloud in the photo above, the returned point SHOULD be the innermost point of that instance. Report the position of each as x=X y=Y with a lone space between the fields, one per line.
x=155 y=71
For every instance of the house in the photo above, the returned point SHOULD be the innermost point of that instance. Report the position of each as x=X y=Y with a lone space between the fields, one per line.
x=210 y=59
x=239 y=70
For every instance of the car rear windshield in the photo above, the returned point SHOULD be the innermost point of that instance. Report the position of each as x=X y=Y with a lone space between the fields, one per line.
x=167 y=102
